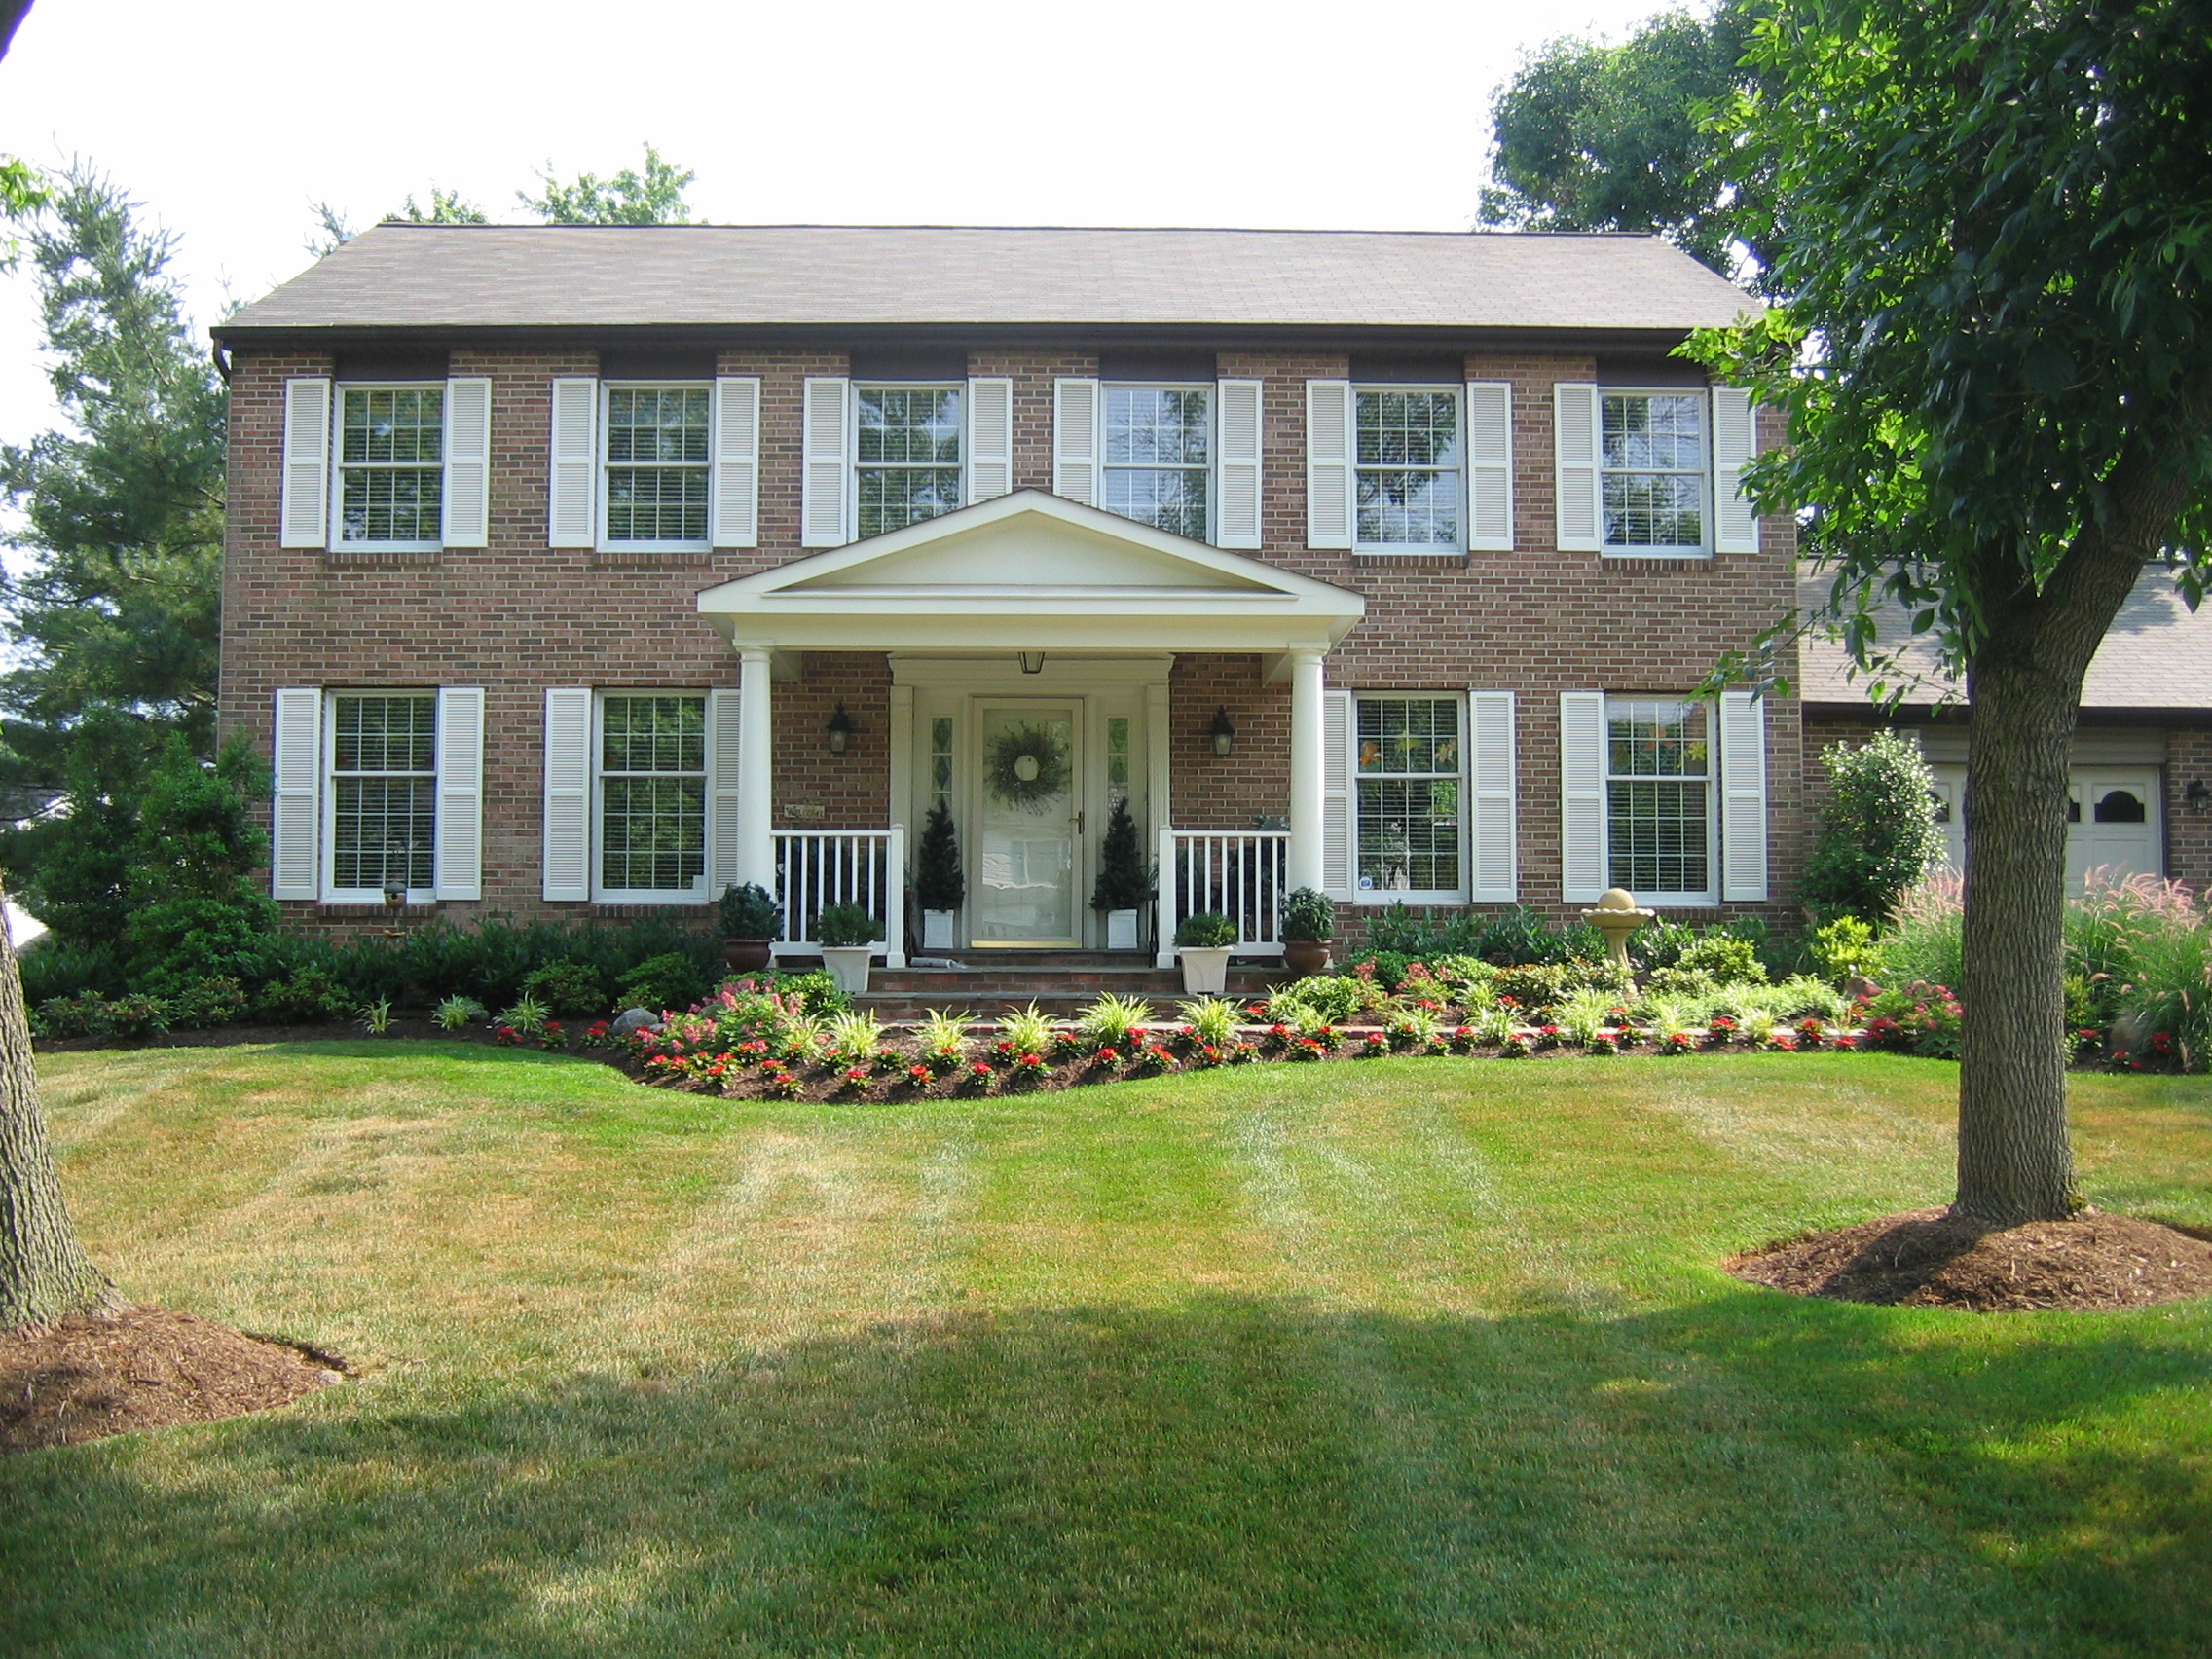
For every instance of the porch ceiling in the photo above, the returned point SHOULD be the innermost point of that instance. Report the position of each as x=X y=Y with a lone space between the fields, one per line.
x=1032 y=572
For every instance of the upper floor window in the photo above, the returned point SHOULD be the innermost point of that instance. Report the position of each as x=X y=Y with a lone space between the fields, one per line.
x=656 y=467
x=1407 y=786
x=1407 y=460
x=1158 y=455
x=390 y=466
x=1659 y=795
x=1652 y=466
x=907 y=455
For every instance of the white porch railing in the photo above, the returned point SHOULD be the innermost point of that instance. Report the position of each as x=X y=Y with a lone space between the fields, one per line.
x=816 y=869
x=1243 y=874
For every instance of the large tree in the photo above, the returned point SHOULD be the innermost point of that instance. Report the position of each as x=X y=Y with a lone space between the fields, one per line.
x=1589 y=135
x=1995 y=358
x=654 y=197
x=114 y=619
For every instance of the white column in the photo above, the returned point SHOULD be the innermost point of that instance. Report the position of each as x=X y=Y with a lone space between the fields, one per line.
x=1305 y=864
x=757 y=772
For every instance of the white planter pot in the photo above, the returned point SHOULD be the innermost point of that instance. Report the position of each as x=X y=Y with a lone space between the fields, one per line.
x=1205 y=972
x=937 y=929
x=1120 y=930
x=848 y=965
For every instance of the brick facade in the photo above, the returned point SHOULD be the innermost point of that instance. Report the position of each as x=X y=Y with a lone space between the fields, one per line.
x=517 y=616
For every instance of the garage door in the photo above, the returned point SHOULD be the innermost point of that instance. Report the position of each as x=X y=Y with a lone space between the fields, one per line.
x=2111 y=820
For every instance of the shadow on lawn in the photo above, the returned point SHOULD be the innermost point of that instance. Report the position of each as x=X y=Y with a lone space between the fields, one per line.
x=1238 y=1476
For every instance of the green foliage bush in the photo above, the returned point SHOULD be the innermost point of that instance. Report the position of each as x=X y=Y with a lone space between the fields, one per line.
x=940 y=884
x=1842 y=948
x=747 y=912
x=1924 y=940
x=1125 y=876
x=1539 y=985
x=1309 y=917
x=567 y=987
x=309 y=995
x=1508 y=937
x=846 y=927
x=1878 y=836
x=1209 y=930
x=197 y=904
x=668 y=980
x=1728 y=958
x=55 y=967
x=1336 y=997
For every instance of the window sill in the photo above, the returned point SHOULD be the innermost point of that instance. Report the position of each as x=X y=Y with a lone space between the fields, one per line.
x=1659 y=556
x=1409 y=552
x=415 y=909
x=648 y=558
x=647 y=901
x=382 y=556
x=1377 y=896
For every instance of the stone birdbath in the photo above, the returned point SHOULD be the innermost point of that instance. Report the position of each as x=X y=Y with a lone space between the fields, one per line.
x=1616 y=917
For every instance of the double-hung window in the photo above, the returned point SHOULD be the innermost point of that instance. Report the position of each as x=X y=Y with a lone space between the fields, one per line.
x=652 y=795
x=1659 y=796
x=1407 y=465
x=655 y=467
x=906 y=465
x=1653 y=471
x=382 y=794
x=1406 y=780
x=390 y=467
x=1159 y=457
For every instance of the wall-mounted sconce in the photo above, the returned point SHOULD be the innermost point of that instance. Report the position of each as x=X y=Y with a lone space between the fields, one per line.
x=2199 y=795
x=842 y=729
x=1223 y=734
x=1033 y=662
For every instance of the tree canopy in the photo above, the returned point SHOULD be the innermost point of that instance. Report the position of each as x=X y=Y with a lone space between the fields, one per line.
x=1591 y=136
x=1992 y=226
x=654 y=197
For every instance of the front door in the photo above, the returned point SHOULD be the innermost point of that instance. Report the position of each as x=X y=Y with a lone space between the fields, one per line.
x=1029 y=820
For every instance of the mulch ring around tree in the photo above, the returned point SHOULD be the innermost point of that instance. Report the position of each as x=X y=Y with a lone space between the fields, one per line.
x=143 y=1368
x=1929 y=1258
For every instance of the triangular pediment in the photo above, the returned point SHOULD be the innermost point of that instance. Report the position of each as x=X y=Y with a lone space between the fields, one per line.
x=1059 y=569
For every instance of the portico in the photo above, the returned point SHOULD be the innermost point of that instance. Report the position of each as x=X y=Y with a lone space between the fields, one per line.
x=1023 y=632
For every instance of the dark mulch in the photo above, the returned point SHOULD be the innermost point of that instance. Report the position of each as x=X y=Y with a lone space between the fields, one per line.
x=142 y=1368
x=1930 y=1258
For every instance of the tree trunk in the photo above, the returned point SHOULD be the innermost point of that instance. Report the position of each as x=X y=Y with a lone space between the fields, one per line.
x=2014 y=1162
x=45 y=1274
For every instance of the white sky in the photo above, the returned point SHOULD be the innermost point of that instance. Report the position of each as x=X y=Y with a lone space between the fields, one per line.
x=227 y=119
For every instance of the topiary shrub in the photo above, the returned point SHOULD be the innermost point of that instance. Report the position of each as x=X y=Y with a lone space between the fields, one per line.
x=1878 y=836
x=1124 y=878
x=938 y=881
x=747 y=912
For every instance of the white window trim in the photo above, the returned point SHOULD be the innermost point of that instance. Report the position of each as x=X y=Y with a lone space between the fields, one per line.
x=337 y=472
x=1211 y=391
x=596 y=804
x=601 y=466
x=327 y=839
x=1401 y=549
x=1385 y=896
x=853 y=391
x=1701 y=397
x=1711 y=898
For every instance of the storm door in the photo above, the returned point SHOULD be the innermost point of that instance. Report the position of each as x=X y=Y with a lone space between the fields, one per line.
x=1029 y=826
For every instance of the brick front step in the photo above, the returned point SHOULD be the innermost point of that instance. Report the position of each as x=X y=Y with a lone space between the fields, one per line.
x=906 y=993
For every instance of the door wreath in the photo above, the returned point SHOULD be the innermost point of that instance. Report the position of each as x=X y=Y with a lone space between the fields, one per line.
x=1027 y=766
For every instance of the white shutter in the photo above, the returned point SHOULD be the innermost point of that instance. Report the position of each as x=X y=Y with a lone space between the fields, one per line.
x=1574 y=450
x=460 y=872
x=1238 y=425
x=1743 y=792
x=1337 y=873
x=1582 y=796
x=467 y=504
x=567 y=793
x=1328 y=463
x=295 y=825
x=736 y=492
x=990 y=437
x=571 y=511
x=722 y=734
x=1490 y=467
x=1075 y=440
x=1735 y=440
x=305 y=519
x=825 y=418
x=1491 y=748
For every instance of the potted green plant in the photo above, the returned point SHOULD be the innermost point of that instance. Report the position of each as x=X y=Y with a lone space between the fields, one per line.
x=1124 y=880
x=749 y=921
x=939 y=887
x=847 y=935
x=1309 y=922
x=1204 y=942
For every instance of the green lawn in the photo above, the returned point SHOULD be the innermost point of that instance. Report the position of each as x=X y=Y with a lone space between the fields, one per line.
x=1411 y=1356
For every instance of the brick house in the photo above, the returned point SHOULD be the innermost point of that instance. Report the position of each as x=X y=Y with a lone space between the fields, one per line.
x=577 y=571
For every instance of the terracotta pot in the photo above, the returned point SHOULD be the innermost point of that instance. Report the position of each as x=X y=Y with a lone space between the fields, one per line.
x=1303 y=958
x=746 y=955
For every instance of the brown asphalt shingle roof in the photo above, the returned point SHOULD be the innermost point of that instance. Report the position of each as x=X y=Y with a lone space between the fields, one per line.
x=2156 y=655
x=405 y=275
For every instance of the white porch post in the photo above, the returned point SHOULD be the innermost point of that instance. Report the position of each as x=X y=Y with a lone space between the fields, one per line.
x=1304 y=862
x=757 y=772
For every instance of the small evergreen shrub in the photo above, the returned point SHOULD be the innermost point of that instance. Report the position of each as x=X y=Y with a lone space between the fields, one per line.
x=668 y=980
x=846 y=927
x=1124 y=878
x=1309 y=917
x=1536 y=986
x=566 y=986
x=1209 y=930
x=938 y=881
x=1878 y=836
x=197 y=906
x=747 y=911
x=1335 y=997
x=1725 y=958
x=307 y=996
